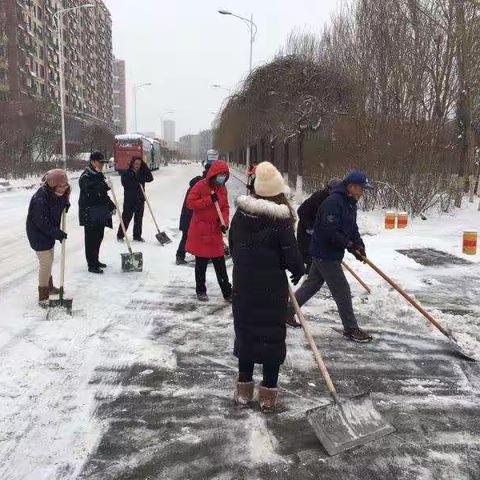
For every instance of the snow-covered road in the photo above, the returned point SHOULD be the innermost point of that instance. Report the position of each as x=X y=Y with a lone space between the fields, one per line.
x=138 y=383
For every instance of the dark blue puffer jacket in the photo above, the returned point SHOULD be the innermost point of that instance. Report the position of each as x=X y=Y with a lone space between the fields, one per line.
x=335 y=226
x=43 y=219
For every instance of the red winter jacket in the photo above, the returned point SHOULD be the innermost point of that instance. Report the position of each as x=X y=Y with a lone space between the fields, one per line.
x=205 y=237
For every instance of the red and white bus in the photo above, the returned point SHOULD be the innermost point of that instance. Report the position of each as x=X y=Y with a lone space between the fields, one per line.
x=133 y=145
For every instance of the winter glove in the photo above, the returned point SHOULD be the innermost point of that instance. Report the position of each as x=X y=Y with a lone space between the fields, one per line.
x=358 y=251
x=224 y=229
x=310 y=231
x=295 y=278
x=61 y=236
x=214 y=197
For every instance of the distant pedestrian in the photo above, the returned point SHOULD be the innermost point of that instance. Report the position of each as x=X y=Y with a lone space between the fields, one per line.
x=263 y=246
x=185 y=219
x=133 y=180
x=335 y=231
x=43 y=227
x=307 y=213
x=251 y=176
x=95 y=209
x=205 y=234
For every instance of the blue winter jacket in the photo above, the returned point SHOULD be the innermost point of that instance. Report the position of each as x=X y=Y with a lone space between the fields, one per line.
x=335 y=226
x=43 y=219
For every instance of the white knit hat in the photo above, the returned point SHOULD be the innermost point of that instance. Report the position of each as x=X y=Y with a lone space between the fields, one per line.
x=268 y=181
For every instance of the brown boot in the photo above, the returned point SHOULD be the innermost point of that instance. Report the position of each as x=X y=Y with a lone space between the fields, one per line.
x=43 y=295
x=267 y=398
x=243 y=393
x=53 y=290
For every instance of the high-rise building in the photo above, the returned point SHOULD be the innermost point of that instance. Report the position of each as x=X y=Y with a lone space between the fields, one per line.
x=169 y=133
x=29 y=56
x=119 y=96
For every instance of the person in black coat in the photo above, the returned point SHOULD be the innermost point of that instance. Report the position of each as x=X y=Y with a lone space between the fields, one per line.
x=307 y=213
x=133 y=179
x=263 y=246
x=95 y=209
x=185 y=218
x=43 y=227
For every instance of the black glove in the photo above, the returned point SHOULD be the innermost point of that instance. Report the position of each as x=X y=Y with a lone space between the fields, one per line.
x=214 y=197
x=358 y=251
x=224 y=228
x=62 y=236
x=295 y=278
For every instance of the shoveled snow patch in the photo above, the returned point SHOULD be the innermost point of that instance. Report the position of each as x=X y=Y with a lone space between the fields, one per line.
x=262 y=443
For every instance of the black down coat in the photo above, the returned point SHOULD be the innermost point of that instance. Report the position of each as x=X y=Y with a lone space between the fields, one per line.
x=263 y=246
x=93 y=192
x=131 y=182
x=43 y=219
x=307 y=213
x=186 y=215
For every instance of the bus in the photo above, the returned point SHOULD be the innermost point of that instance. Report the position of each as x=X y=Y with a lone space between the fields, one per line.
x=212 y=155
x=134 y=145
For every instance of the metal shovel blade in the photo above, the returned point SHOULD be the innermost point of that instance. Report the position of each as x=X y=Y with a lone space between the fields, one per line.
x=461 y=348
x=132 y=262
x=163 y=238
x=350 y=423
x=65 y=303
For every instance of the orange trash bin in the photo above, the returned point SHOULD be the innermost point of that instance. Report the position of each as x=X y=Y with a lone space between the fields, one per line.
x=470 y=243
x=402 y=220
x=390 y=218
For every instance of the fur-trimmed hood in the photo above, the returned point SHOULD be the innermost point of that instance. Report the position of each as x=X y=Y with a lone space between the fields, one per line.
x=261 y=207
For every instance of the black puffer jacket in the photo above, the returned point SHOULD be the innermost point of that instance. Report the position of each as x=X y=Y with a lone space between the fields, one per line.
x=263 y=246
x=186 y=215
x=131 y=182
x=93 y=192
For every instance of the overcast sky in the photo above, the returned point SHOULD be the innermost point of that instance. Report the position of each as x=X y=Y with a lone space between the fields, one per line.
x=184 y=46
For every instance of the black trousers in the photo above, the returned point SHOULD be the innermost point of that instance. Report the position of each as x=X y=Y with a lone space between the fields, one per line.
x=181 y=246
x=135 y=211
x=270 y=373
x=220 y=270
x=93 y=240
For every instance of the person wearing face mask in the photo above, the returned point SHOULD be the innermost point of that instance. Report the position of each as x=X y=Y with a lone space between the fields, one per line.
x=95 y=209
x=133 y=200
x=43 y=227
x=205 y=234
x=336 y=230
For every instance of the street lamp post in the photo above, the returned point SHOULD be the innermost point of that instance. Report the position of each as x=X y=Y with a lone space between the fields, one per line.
x=135 y=88
x=221 y=87
x=252 y=27
x=59 y=13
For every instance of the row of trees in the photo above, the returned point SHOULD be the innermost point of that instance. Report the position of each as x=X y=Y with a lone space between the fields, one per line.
x=392 y=86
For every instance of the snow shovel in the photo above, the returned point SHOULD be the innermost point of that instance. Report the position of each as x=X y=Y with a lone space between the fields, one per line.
x=356 y=277
x=162 y=237
x=131 y=262
x=222 y=221
x=62 y=302
x=347 y=422
x=453 y=341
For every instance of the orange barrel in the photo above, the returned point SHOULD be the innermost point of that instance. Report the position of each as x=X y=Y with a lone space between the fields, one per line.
x=470 y=243
x=390 y=218
x=402 y=220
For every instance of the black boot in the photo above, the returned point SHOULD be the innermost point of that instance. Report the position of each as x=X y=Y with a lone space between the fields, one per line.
x=95 y=270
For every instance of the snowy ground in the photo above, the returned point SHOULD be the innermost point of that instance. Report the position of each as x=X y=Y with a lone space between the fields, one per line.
x=138 y=383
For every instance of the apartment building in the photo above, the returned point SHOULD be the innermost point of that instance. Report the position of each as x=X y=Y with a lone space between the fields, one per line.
x=119 y=96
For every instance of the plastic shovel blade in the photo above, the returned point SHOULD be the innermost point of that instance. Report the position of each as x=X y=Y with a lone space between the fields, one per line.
x=65 y=304
x=132 y=262
x=348 y=424
x=163 y=238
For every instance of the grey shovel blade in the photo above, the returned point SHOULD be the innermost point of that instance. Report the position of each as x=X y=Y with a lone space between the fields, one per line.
x=132 y=262
x=163 y=238
x=350 y=423
x=65 y=303
x=461 y=348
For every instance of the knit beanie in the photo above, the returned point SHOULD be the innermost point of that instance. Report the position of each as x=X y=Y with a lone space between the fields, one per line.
x=55 y=178
x=268 y=181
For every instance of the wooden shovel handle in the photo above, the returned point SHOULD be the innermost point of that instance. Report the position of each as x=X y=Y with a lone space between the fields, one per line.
x=220 y=215
x=407 y=297
x=357 y=278
x=150 y=208
x=120 y=218
x=313 y=345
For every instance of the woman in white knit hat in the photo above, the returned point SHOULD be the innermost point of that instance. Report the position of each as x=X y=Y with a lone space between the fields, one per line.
x=263 y=246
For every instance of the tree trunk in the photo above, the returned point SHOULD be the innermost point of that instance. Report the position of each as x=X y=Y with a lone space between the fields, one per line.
x=286 y=160
x=299 y=183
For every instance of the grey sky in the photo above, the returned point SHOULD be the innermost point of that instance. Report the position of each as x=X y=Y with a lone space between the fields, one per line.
x=184 y=46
